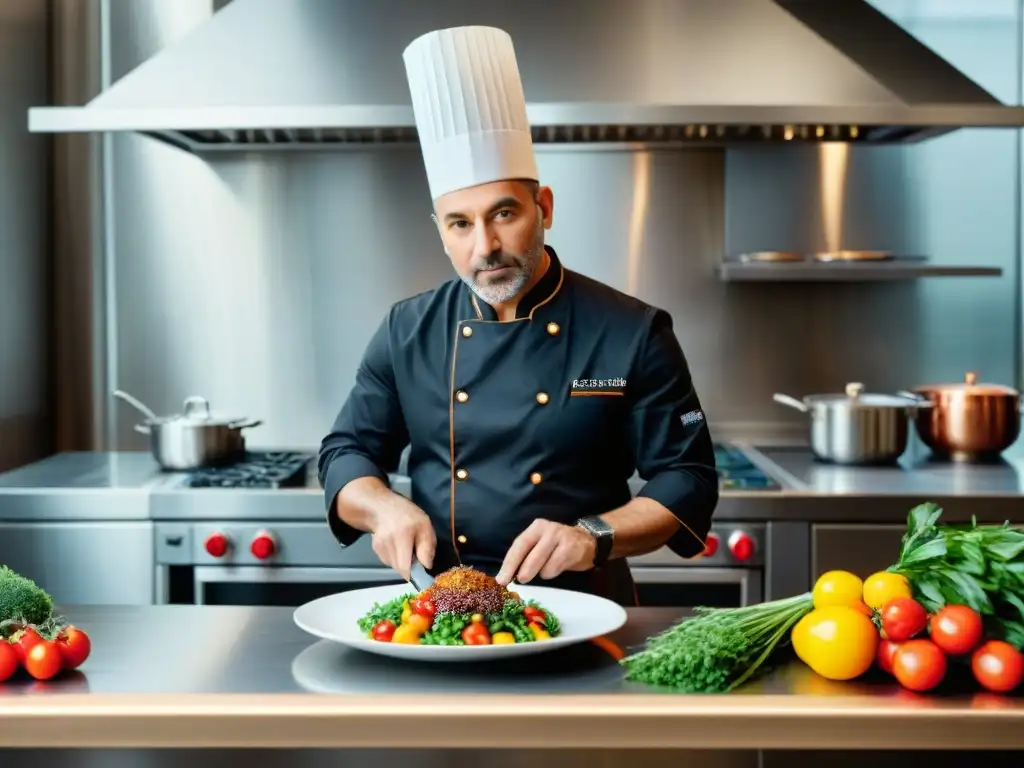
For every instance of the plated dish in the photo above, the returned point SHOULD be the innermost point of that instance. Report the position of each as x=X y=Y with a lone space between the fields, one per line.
x=463 y=606
x=559 y=617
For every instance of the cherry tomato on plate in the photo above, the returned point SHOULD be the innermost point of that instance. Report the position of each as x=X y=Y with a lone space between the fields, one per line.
x=902 y=618
x=424 y=608
x=919 y=665
x=535 y=615
x=44 y=660
x=384 y=630
x=476 y=634
x=9 y=662
x=74 y=646
x=998 y=666
x=956 y=629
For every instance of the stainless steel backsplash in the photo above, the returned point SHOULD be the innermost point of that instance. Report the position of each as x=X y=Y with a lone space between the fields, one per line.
x=256 y=281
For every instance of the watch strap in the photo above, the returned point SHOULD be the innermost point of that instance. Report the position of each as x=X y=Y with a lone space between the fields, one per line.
x=604 y=536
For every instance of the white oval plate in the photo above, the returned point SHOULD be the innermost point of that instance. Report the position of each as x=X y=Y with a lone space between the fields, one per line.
x=582 y=617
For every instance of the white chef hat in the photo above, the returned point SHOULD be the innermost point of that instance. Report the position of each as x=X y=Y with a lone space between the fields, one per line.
x=470 y=110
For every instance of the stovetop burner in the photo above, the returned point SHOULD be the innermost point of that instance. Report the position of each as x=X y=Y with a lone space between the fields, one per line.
x=256 y=470
x=737 y=472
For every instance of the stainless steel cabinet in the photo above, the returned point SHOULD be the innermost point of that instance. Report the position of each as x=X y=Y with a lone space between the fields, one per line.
x=102 y=563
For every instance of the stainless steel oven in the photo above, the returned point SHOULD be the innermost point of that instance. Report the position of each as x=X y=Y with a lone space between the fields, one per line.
x=290 y=563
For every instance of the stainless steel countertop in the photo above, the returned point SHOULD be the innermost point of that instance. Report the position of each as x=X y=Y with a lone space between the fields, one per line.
x=233 y=676
x=130 y=486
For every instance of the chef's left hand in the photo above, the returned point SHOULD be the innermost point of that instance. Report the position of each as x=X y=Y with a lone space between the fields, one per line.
x=548 y=549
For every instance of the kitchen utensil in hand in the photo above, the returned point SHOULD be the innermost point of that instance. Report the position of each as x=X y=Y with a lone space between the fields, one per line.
x=419 y=577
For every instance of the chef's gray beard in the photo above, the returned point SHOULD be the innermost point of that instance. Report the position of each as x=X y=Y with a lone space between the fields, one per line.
x=524 y=266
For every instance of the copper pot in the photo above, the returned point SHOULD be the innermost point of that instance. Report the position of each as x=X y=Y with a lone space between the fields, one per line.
x=969 y=421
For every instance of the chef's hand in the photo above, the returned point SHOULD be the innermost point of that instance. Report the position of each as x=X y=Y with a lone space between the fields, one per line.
x=400 y=531
x=548 y=549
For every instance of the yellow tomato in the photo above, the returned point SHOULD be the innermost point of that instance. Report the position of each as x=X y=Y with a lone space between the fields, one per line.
x=837 y=642
x=503 y=638
x=881 y=587
x=837 y=588
x=406 y=635
x=419 y=623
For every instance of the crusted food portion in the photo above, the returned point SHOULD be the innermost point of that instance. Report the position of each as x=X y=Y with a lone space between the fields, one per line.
x=464 y=579
x=466 y=590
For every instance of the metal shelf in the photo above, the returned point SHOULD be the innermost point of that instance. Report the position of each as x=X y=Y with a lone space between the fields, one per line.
x=844 y=272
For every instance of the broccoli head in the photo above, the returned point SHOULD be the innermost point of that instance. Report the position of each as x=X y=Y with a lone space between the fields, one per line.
x=21 y=599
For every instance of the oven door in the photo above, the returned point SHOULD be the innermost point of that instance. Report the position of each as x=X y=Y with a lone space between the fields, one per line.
x=289 y=587
x=690 y=587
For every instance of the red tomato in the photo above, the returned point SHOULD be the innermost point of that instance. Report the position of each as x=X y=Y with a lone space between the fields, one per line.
x=43 y=660
x=902 y=618
x=535 y=614
x=8 y=660
x=919 y=665
x=886 y=650
x=476 y=634
x=24 y=640
x=384 y=630
x=74 y=646
x=998 y=666
x=424 y=608
x=956 y=629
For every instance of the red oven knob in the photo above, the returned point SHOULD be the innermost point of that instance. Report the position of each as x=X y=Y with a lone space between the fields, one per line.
x=217 y=544
x=741 y=546
x=711 y=545
x=263 y=545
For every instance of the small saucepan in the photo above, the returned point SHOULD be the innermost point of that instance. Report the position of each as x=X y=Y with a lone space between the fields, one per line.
x=968 y=422
x=196 y=438
x=857 y=428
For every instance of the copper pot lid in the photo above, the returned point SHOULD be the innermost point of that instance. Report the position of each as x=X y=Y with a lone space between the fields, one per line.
x=970 y=386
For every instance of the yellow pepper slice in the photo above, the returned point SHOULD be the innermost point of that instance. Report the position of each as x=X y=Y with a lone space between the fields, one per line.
x=503 y=638
x=539 y=633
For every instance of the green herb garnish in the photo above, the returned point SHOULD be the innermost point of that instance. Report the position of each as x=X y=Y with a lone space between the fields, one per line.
x=390 y=611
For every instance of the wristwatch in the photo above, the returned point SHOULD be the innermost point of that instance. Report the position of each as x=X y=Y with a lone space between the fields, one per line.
x=603 y=534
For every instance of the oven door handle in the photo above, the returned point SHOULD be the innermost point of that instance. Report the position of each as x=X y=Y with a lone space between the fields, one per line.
x=213 y=574
x=748 y=579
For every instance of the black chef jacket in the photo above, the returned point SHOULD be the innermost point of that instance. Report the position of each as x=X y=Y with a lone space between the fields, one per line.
x=545 y=416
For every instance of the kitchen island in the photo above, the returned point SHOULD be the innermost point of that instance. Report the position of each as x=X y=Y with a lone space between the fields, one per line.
x=246 y=677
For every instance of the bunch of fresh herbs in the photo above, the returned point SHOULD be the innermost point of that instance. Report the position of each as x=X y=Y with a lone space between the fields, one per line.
x=719 y=648
x=981 y=566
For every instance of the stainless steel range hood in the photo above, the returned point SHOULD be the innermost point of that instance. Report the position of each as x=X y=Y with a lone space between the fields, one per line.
x=316 y=74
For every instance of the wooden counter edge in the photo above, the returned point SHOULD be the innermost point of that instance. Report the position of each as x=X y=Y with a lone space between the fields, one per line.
x=633 y=721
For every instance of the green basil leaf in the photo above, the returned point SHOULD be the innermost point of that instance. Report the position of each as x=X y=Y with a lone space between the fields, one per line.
x=1016 y=602
x=933 y=549
x=923 y=516
x=929 y=595
x=968 y=590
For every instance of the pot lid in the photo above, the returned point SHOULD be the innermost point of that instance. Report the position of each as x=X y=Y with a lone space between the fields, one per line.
x=970 y=386
x=196 y=412
x=855 y=396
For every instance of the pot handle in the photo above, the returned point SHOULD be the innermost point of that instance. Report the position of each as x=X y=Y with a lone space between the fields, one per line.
x=142 y=429
x=245 y=424
x=792 y=402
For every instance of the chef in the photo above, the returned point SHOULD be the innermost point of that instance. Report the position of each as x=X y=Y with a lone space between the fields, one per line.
x=527 y=393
